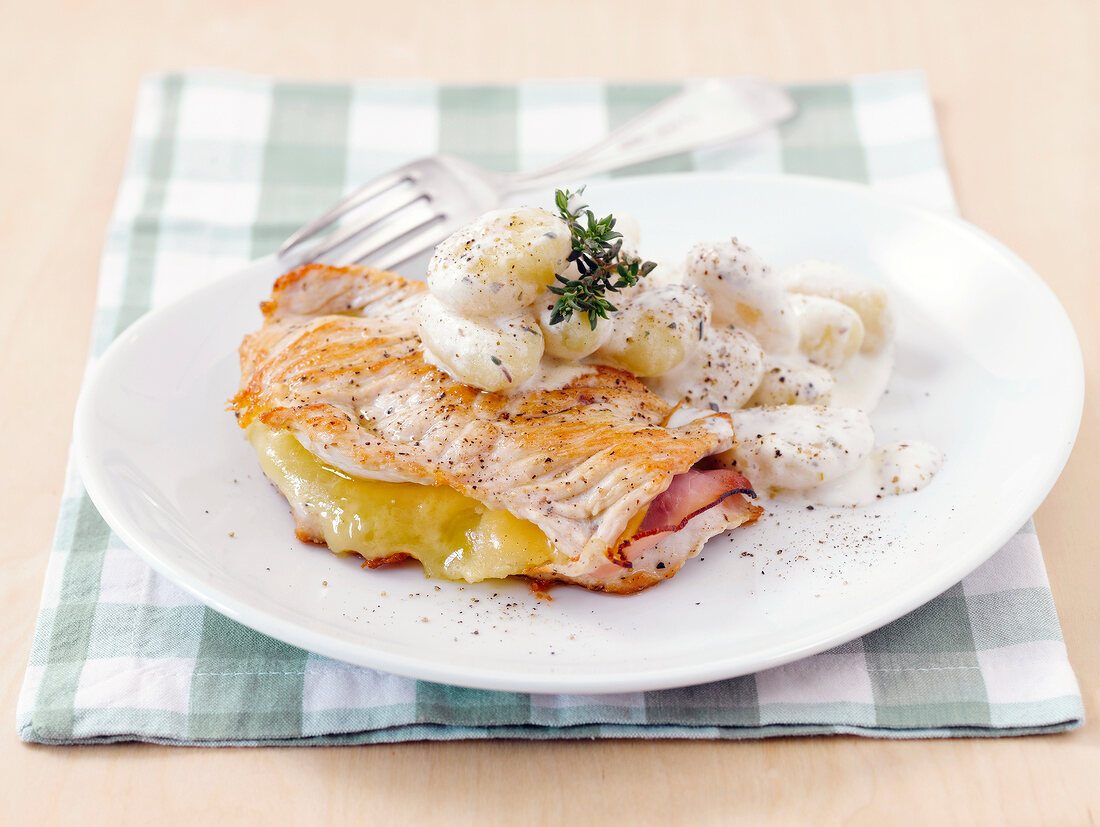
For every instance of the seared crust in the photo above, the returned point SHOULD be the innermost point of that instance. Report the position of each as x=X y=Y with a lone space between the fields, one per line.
x=338 y=363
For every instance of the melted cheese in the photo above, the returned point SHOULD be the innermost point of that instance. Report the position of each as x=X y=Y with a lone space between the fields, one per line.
x=452 y=535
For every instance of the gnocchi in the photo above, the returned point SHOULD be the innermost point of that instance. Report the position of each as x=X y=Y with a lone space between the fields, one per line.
x=499 y=264
x=653 y=333
x=722 y=372
x=744 y=293
x=492 y=354
x=789 y=380
x=831 y=281
x=829 y=333
x=573 y=338
x=794 y=447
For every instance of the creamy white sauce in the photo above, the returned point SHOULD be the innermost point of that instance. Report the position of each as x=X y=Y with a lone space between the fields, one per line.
x=713 y=422
x=798 y=447
x=806 y=435
x=721 y=371
x=553 y=374
x=808 y=349
x=863 y=380
x=826 y=456
x=792 y=380
x=433 y=360
x=898 y=468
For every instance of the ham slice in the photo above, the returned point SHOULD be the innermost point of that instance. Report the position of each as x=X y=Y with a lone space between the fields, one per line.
x=688 y=496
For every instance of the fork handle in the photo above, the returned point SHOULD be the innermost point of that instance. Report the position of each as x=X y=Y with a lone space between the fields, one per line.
x=705 y=113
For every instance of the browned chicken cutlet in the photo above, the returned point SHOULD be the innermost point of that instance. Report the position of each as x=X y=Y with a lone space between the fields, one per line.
x=338 y=364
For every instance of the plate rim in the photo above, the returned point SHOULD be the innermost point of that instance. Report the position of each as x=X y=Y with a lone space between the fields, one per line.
x=641 y=679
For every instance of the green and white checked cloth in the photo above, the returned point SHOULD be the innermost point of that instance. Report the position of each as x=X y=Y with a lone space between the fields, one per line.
x=221 y=168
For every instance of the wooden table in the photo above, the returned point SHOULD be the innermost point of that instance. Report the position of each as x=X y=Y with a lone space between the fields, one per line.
x=1016 y=87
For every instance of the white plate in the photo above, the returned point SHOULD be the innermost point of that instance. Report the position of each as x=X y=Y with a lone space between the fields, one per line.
x=988 y=369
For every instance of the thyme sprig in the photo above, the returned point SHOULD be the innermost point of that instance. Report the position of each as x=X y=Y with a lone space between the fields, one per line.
x=598 y=255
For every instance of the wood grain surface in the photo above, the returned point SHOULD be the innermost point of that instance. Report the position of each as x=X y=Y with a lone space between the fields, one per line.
x=1016 y=86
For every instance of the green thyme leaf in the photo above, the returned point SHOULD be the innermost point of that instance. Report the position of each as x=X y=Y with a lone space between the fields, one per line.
x=599 y=259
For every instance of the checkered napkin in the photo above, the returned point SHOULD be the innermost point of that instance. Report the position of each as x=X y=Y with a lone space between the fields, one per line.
x=222 y=168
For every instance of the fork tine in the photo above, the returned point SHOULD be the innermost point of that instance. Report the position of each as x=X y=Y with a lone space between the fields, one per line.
x=404 y=224
x=413 y=246
x=366 y=192
x=367 y=217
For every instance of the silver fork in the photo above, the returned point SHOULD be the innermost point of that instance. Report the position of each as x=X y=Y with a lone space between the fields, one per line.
x=411 y=209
